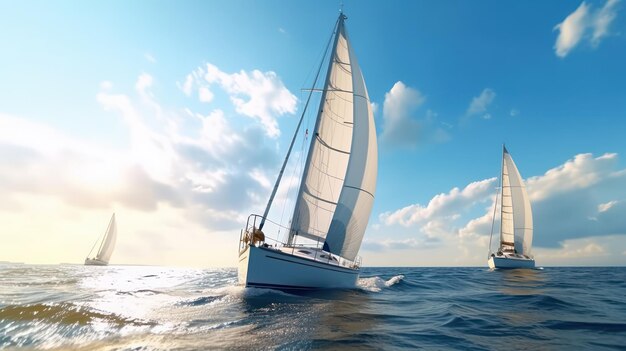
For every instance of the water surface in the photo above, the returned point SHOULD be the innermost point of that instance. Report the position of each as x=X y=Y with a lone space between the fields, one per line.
x=159 y=308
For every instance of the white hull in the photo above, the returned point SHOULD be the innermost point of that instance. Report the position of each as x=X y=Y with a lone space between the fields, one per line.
x=95 y=262
x=510 y=262
x=271 y=268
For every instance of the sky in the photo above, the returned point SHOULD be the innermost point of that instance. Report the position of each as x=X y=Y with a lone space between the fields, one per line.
x=177 y=115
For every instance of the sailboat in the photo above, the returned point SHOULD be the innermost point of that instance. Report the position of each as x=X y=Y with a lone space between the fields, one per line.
x=106 y=246
x=336 y=192
x=516 y=220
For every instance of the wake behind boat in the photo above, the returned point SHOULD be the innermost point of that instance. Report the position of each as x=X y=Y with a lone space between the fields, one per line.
x=336 y=192
x=516 y=220
x=106 y=246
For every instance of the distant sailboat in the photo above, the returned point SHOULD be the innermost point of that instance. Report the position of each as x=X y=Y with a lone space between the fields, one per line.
x=106 y=246
x=516 y=220
x=336 y=192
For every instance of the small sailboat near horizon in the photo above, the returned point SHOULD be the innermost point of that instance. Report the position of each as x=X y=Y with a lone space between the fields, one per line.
x=336 y=191
x=106 y=246
x=516 y=220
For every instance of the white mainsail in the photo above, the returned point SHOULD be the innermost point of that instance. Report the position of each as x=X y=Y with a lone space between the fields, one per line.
x=516 y=213
x=108 y=242
x=339 y=181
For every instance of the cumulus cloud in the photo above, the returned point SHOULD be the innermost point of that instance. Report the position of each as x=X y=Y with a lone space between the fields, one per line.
x=442 y=206
x=255 y=94
x=205 y=95
x=584 y=24
x=480 y=103
x=606 y=206
x=187 y=86
x=401 y=126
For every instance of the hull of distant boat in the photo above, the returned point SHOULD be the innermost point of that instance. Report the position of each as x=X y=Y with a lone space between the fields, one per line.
x=508 y=262
x=94 y=262
x=270 y=268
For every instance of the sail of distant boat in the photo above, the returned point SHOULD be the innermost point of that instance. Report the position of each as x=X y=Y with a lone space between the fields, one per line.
x=336 y=192
x=106 y=245
x=516 y=218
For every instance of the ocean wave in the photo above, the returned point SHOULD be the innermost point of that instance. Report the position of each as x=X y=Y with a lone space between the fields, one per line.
x=591 y=326
x=64 y=313
x=199 y=301
x=140 y=292
x=376 y=284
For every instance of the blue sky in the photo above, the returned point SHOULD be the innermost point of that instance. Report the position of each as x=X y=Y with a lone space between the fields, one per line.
x=96 y=116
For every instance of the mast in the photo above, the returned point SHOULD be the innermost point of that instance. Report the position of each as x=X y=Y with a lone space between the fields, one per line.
x=338 y=27
x=293 y=140
x=495 y=205
x=502 y=192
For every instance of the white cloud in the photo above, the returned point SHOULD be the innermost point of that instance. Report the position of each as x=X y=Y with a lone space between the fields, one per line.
x=374 y=107
x=571 y=30
x=255 y=94
x=442 y=206
x=603 y=20
x=480 y=103
x=401 y=126
x=144 y=82
x=188 y=85
x=583 y=171
x=514 y=112
x=606 y=206
x=205 y=95
x=106 y=85
x=584 y=24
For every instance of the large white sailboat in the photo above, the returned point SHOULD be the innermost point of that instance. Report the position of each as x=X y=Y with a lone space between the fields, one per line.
x=516 y=220
x=106 y=246
x=336 y=192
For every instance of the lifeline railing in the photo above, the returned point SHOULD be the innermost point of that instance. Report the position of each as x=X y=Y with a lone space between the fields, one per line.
x=246 y=239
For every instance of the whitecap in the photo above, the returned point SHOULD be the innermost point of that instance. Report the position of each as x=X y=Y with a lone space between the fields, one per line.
x=376 y=284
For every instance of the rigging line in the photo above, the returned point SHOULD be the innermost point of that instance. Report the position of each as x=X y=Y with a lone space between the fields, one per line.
x=290 y=188
x=282 y=170
x=94 y=245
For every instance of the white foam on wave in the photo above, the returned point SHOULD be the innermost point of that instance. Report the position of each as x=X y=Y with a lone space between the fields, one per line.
x=239 y=291
x=376 y=284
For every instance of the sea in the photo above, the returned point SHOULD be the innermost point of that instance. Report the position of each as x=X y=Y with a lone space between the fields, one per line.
x=74 y=307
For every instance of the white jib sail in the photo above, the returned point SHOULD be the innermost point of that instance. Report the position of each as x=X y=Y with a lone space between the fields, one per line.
x=522 y=217
x=108 y=243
